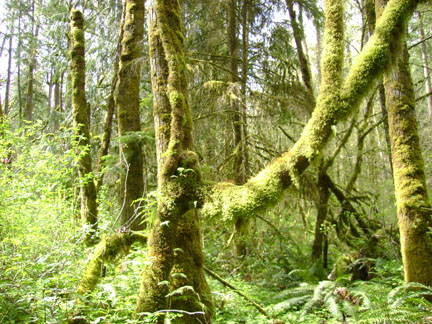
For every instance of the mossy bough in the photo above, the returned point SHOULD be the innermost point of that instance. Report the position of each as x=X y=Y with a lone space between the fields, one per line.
x=108 y=249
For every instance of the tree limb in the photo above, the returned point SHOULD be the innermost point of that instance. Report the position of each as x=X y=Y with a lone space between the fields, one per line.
x=230 y=202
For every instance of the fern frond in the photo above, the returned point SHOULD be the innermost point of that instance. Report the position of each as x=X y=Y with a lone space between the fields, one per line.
x=291 y=303
x=302 y=290
x=320 y=291
x=333 y=307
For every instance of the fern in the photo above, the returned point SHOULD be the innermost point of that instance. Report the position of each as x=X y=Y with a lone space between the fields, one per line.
x=405 y=304
x=292 y=303
x=323 y=289
x=333 y=307
x=302 y=290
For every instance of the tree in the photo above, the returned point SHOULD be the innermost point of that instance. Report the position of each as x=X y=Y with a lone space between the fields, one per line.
x=81 y=123
x=175 y=279
x=127 y=103
x=335 y=102
x=28 y=112
x=426 y=69
x=413 y=207
x=8 y=79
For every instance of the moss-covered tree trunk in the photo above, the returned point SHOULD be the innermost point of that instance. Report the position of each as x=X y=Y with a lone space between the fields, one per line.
x=107 y=250
x=175 y=279
x=127 y=104
x=80 y=110
x=413 y=207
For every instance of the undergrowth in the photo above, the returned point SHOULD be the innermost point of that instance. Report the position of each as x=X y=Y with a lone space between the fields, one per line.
x=42 y=258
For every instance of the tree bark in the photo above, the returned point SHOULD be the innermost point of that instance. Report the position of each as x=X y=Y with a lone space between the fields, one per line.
x=425 y=58
x=175 y=279
x=107 y=131
x=1 y=111
x=57 y=109
x=413 y=207
x=80 y=109
x=28 y=111
x=19 y=46
x=127 y=103
x=241 y=227
x=322 y=203
x=8 y=79
x=304 y=63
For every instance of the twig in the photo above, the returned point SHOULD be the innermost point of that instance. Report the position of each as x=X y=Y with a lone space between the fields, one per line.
x=227 y=284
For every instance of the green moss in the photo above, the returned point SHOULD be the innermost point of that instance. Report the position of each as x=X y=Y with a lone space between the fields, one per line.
x=175 y=98
x=81 y=123
x=108 y=249
x=232 y=202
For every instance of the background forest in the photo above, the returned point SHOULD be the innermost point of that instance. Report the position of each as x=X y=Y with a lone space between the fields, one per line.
x=328 y=251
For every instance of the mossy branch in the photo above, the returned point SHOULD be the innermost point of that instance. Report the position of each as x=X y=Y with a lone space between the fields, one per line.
x=230 y=202
x=107 y=250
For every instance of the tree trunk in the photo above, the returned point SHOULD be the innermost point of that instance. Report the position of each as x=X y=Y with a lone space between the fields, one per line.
x=241 y=227
x=1 y=111
x=175 y=279
x=245 y=62
x=49 y=84
x=239 y=176
x=57 y=109
x=304 y=64
x=8 y=79
x=413 y=208
x=127 y=103
x=320 y=235
x=28 y=111
x=80 y=110
x=425 y=58
x=107 y=131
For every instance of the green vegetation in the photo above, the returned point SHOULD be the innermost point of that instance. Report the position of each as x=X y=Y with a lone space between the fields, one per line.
x=242 y=155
